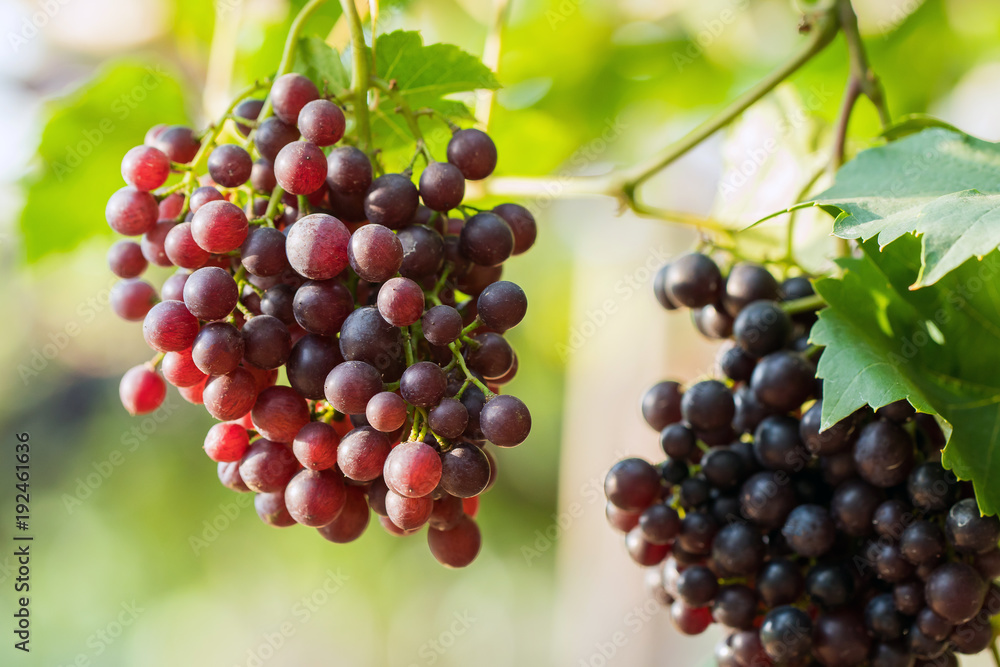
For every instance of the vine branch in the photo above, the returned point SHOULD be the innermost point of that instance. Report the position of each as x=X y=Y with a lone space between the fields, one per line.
x=361 y=72
x=861 y=72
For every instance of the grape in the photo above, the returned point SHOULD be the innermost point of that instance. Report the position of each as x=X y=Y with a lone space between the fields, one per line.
x=317 y=246
x=194 y=394
x=933 y=626
x=131 y=212
x=766 y=502
x=931 y=487
x=289 y=94
x=457 y=546
x=386 y=412
x=780 y=582
x=447 y=513
x=142 y=390
x=898 y=411
x=473 y=152
x=169 y=327
x=362 y=453
x=735 y=606
x=132 y=299
x=853 y=507
x=352 y=521
x=321 y=122
x=300 y=168
x=689 y=620
x=761 y=328
x=969 y=531
x=922 y=646
x=153 y=243
x=230 y=396
x=248 y=109
x=229 y=165
x=833 y=440
x=407 y=513
x=694 y=492
x=273 y=135
x=786 y=634
x=413 y=470
x=315 y=497
x=884 y=454
x=465 y=470
x=502 y=305
x=746 y=283
x=226 y=442
x=279 y=413
x=777 y=445
x=972 y=637
x=521 y=223
x=713 y=322
x=278 y=302
x=423 y=251
x=486 y=239
x=173 y=287
x=658 y=523
x=442 y=186
x=210 y=293
x=622 y=520
x=492 y=358
x=693 y=280
x=955 y=591
x=423 y=384
x=735 y=363
x=179 y=143
x=478 y=278
x=708 y=405
x=738 y=550
x=698 y=530
x=375 y=253
x=908 y=597
x=632 y=484
x=922 y=542
x=145 y=168
x=266 y=342
x=126 y=260
x=181 y=249
x=219 y=227
x=697 y=586
x=262 y=177
x=320 y=307
x=678 y=441
x=783 y=380
x=366 y=336
x=505 y=421
x=401 y=301
x=643 y=552
x=441 y=325
x=350 y=386
x=661 y=404
x=349 y=171
x=179 y=369
x=229 y=475
x=272 y=510
x=391 y=200
x=217 y=349
x=723 y=468
x=267 y=466
x=810 y=531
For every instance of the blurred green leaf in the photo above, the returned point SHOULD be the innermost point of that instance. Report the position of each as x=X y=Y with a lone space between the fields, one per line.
x=885 y=342
x=320 y=62
x=81 y=148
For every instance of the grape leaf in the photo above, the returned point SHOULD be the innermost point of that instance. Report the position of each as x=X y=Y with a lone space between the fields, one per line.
x=938 y=184
x=80 y=153
x=424 y=75
x=320 y=62
x=885 y=342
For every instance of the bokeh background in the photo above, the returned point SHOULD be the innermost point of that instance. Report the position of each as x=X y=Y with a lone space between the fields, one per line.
x=142 y=558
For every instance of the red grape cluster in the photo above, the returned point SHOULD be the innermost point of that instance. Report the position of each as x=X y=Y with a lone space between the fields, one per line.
x=840 y=547
x=386 y=313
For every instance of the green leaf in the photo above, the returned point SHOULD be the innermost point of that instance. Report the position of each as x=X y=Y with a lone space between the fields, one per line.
x=938 y=184
x=81 y=149
x=320 y=62
x=885 y=342
x=424 y=75
x=912 y=124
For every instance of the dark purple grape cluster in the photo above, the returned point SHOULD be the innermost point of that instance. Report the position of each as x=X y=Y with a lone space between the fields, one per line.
x=381 y=299
x=838 y=547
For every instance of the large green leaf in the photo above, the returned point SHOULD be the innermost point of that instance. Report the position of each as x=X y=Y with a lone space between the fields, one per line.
x=80 y=153
x=938 y=184
x=424 y=75
x=885 y=342
x=320 y=62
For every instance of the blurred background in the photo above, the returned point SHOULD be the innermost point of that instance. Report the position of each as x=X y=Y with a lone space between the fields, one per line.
x=142 y=558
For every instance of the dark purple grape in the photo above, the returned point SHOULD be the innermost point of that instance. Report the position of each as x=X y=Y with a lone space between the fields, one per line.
x=321 y=122
x=442 y=186
x=349 y=171
x=321 y=306
x=708 y=406
x=777 y=445
x=697 y=586
x=263 y=253
x=473 y=152
x=735 y=606
x=217 y=349
x=884 y=454
x=780 y=582
x=375 y=253
x=521 y=223
x=659 y=524
x=391 y=200
x=766 y=501
x=783 y=380
x=661 y=404
x=786 y=634
x=465 y=470
x=441 y=325
x=310 y=362
x=632 y=484
x=746 y=283
x=809 y=531
x=486 y=239
x=505 y=421
x=693 y=280
x=502 y=305
x=210 y=293
x=738 y=550
x=229 y=165
x=762 y=327
x=366 y=336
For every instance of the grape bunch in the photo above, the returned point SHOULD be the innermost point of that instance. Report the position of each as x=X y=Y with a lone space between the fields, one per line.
x=380 y=298
x=838 y=547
